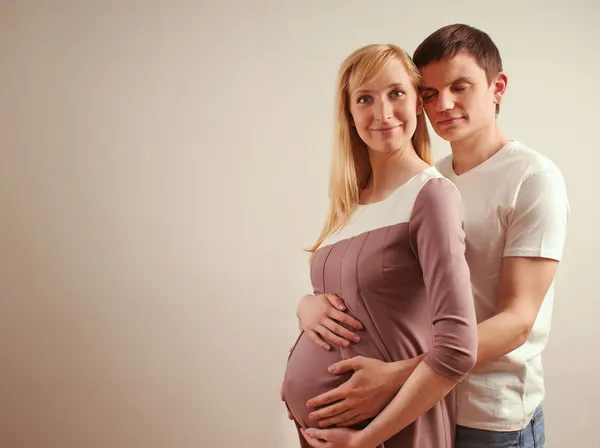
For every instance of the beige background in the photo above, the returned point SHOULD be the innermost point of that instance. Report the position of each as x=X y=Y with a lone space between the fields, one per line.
x=163 y=163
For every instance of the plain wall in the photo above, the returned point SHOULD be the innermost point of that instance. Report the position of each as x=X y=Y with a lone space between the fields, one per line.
x=164 y=163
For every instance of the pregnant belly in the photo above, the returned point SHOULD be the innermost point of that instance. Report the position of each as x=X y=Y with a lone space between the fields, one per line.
x=306 y=376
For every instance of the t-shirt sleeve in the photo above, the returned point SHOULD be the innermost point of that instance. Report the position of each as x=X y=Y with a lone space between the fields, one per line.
x=538 y=225
x=438 y=240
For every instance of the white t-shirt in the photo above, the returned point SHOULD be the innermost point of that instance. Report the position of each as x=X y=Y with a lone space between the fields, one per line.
x=514 y=204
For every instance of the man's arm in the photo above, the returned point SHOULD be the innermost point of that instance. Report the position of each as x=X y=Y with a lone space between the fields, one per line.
x=523 y=285
x=522 y=288
x=533 y=245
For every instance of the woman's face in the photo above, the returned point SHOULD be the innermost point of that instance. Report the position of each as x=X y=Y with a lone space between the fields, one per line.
x=384 y=109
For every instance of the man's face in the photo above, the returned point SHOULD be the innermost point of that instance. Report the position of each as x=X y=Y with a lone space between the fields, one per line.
x=457 y=97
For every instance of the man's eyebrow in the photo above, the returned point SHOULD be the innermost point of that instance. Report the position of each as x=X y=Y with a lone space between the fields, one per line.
x=461 y=80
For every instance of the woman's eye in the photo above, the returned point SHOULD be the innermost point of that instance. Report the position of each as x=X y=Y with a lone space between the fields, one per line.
x=363 y=100
x=397 y=93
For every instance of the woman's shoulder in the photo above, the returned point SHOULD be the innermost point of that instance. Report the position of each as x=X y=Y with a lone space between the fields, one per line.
x=436 y=191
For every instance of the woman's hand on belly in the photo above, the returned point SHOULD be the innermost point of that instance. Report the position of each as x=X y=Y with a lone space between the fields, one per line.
x=320 y=317
x=334 y=438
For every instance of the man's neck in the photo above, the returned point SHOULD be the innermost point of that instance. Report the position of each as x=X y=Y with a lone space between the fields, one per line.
x=476 y=149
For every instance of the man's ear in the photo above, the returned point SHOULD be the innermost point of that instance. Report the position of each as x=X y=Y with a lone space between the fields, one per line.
x=500 y=85
x=419 y=105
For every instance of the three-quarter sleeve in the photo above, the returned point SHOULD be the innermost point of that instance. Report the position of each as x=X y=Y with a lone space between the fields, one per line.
x=438 y=240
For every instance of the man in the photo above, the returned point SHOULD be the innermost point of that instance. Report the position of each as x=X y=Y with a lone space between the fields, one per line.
x=515 y=211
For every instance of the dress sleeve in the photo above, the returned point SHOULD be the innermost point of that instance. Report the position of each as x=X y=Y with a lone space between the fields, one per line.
x=438 y=240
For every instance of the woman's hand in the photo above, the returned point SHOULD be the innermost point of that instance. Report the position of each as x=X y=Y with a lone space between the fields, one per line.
x=320 y=317
x=335 y=438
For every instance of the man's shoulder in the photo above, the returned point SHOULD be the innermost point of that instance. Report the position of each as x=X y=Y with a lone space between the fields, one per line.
x=528 y=161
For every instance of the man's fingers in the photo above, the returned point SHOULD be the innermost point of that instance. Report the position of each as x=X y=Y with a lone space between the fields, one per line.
x=337 y=419
x=330 y=411
x=327 y=334
x=312 y=441
x=346 y=319
x=326 y=398
x=317 y=339
x=336 y=302
x=341 y=331
x=346 y=365
x=353 y=421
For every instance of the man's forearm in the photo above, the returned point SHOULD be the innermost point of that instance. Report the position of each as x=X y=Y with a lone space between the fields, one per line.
x=421 y=392
x=403 y=369
x=499 y=335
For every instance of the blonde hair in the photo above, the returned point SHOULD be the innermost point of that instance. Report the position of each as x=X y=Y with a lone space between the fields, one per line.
x=350 y=167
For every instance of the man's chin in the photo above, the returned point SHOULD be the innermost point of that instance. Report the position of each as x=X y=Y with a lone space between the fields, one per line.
x=450 y=135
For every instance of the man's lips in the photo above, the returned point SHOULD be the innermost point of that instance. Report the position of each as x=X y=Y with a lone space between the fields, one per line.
x=449 y=120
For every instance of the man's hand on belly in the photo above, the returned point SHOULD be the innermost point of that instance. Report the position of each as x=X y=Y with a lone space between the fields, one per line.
x=371 y=387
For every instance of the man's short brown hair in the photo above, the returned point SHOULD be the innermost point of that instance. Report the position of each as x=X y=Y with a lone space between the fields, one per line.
x=450 y=40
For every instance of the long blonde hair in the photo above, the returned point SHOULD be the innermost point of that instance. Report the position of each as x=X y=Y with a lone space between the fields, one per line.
x=350 y=167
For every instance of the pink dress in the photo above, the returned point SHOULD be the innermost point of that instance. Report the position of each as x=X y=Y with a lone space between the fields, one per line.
x=399 y=265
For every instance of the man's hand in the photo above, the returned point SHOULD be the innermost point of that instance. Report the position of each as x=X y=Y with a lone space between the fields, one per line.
x=372 y=386
x=320 y=317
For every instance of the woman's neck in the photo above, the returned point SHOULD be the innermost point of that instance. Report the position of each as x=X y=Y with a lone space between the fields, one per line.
x=389 y=171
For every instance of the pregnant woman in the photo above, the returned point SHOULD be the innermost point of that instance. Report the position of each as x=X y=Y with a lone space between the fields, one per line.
x=393 y=250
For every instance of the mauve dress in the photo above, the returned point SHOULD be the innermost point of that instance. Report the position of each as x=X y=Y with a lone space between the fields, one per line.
x=399 y=265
